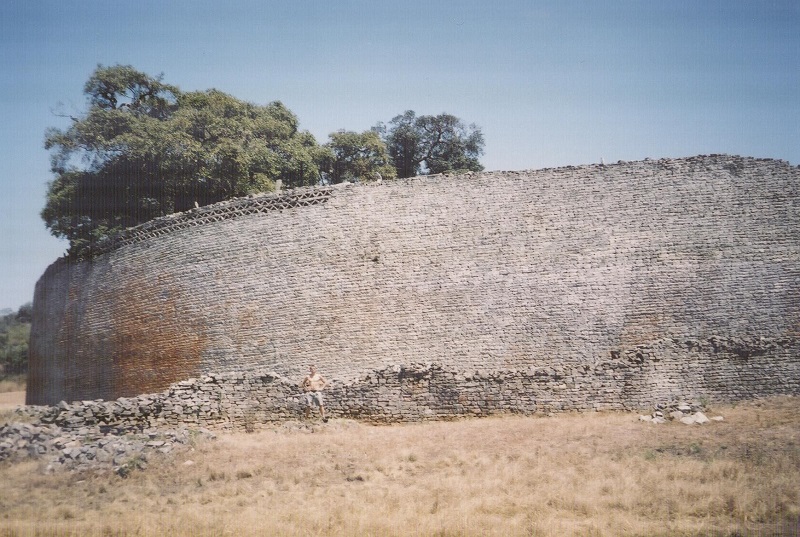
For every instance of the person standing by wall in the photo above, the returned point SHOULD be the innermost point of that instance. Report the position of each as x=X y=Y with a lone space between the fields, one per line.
x=313 y=385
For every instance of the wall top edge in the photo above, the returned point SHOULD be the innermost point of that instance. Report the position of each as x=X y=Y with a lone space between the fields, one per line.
x=304 y=196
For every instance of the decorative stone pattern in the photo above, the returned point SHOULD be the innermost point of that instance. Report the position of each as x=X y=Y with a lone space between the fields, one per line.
x=577 y=288
x=301 y=197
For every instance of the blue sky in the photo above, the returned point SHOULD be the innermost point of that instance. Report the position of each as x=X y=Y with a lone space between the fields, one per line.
x=549 y=83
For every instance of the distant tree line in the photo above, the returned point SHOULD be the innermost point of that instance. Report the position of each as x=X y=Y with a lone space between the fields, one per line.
x=15 y=329
x=143 y=149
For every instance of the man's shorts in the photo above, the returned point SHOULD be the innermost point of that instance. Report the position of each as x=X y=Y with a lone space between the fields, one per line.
x=314 y=398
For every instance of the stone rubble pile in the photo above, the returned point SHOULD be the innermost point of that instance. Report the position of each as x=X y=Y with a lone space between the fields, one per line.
x=686 y=413
x=90 y=446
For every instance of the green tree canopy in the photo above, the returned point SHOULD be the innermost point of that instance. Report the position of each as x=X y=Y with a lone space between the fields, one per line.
x=15 y=330
x=431 y=144
x=355 y=156
x=145 y=149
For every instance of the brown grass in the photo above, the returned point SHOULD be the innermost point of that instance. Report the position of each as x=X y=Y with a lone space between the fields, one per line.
x=574 y=474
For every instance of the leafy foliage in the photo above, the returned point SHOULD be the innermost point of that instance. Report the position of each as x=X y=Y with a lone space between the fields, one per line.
x=431 y=144
x=15 y=329
x=355 y=156
x=145 y=149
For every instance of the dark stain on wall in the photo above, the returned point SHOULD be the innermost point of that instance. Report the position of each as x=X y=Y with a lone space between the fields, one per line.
x=152 y=343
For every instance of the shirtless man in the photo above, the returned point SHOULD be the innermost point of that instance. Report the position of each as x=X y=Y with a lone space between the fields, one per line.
x=313 y=385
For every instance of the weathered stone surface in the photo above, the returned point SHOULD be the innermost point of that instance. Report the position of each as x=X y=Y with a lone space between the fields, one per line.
x=121 y=449
x=700 y=418
x=586 y=288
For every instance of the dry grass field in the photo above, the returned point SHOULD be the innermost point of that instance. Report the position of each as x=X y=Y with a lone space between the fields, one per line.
x=13 y=384
x=572 y=474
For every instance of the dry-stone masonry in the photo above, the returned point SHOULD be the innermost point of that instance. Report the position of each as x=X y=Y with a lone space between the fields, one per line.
x=123 y=434
x=70 y=437
x=577 y=288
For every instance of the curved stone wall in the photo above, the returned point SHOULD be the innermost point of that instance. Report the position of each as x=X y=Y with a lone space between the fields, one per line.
x=621 y=284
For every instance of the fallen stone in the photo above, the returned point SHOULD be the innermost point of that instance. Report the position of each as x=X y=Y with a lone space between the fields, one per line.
x=71 y=453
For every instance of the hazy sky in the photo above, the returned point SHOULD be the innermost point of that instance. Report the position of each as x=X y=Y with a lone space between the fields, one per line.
x=549 y=83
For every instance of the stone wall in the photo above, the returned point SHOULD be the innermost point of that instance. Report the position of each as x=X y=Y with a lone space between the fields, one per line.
x=636 y=379
x=582 y=287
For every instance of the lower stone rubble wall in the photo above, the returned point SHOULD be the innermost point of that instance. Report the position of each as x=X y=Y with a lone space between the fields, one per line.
x=637 y=378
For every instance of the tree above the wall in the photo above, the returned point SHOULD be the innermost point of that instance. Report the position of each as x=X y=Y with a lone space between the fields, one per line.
x=431 y=144
x=144 y=149
x=358 y=157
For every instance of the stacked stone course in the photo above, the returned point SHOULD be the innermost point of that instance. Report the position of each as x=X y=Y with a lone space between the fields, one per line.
x=632 y=379
x=577 y=288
